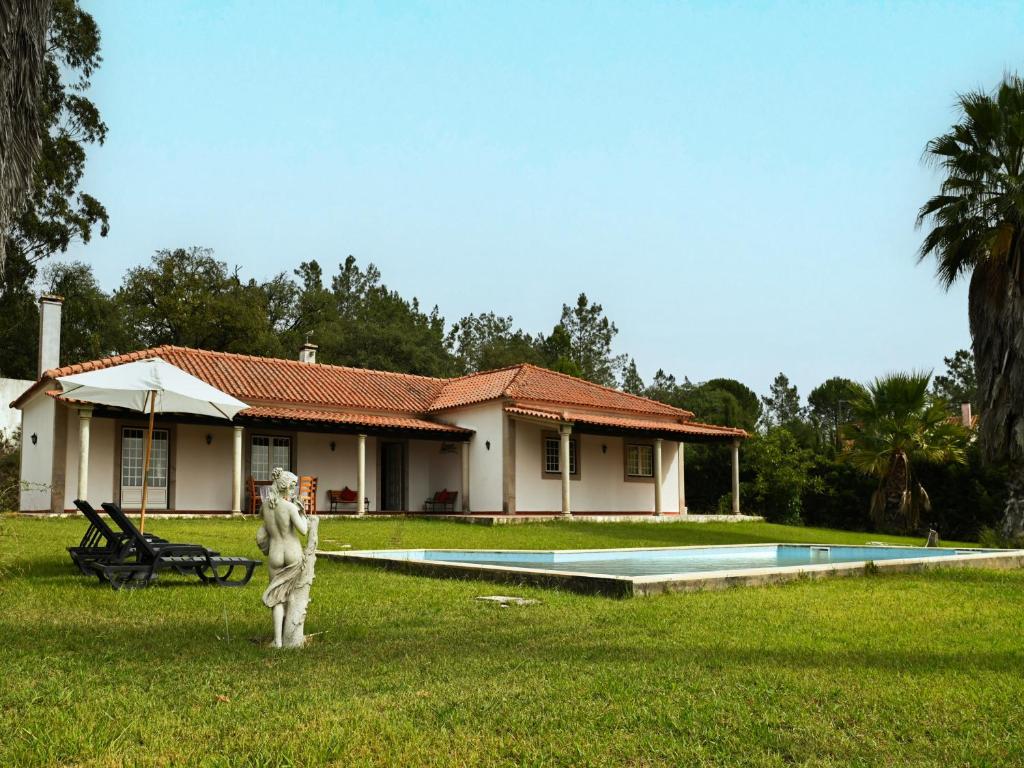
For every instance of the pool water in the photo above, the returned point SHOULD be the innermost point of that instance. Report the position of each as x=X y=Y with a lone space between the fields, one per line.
x=660 y=562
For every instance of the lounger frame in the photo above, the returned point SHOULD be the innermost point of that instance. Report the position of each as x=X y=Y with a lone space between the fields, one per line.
x=150 y=559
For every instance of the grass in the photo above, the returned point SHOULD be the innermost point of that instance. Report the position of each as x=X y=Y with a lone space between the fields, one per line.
x=883 y=670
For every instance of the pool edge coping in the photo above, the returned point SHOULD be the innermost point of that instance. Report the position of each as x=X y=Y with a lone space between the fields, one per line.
x=644 y=586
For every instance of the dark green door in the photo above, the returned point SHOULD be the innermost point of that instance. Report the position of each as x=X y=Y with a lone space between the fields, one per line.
x=392 y=476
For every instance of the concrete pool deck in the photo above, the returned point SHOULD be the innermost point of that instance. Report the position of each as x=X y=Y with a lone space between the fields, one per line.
x=645 y=586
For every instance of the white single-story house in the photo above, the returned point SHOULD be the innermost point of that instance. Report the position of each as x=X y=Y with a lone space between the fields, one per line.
x=521 y=439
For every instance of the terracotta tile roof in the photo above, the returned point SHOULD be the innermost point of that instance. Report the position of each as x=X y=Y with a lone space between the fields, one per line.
x=684 y=428
x=265 y=381
x=325 y=416
x=475 y=388
x=269 y=379
x=369 y=420
x=530 y=382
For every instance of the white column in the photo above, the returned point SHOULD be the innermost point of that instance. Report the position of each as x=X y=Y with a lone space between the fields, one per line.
x=361 y=475
x=563 y=463
x=508 y=465
x=682 y=478
x=84 y=420
x=657 y=476
x=465 y=476
x=236 y=471
x=735 y=477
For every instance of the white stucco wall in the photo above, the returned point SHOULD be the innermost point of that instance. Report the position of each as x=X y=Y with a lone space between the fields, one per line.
x=421 y=452
x=37 y=460
x=601 y=486
x=201 y=473
x=446 y=469
x=101 y=461
x=335 y=469
x=485 y=474
x=10 y=418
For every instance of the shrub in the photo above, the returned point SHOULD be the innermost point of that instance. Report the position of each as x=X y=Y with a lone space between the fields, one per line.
x=708 y=476
x=990 y=538
x=965 y=498
x=10 y=471
x=781 y=472
x=839 y=497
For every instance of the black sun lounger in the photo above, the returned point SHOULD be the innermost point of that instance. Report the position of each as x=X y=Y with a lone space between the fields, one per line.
x=151 y=558
x=101 y=542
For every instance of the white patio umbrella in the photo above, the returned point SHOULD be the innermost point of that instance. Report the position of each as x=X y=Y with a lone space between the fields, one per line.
x=152 y=385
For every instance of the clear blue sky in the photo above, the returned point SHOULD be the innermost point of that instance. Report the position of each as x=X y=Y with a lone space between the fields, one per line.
x=735 y=183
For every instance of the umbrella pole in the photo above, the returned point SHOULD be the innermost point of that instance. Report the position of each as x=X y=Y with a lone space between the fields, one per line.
x=145 y=464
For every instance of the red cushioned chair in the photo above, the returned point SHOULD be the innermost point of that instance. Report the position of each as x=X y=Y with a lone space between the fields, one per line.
x=345 y=499
x=442 y=501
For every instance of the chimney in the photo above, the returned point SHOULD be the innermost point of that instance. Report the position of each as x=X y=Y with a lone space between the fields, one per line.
x=965 y=414
x=49 y=332
x=308 y=353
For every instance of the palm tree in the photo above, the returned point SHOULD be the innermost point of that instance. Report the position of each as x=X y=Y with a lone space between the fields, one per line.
x=23 y=27
x=976 y=229
x=896 y=424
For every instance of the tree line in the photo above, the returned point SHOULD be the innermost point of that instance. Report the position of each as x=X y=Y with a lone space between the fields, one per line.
x=807 y=462
x=187 y=297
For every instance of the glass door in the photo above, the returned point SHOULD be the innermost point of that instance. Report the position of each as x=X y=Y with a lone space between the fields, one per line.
x=133 y=455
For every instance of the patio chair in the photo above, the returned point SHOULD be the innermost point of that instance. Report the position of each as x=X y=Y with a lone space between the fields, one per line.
x=255 y=498
x=150 y=559
x=346 y=497
x=442 y=501
x=307 y=494
x=101 y=542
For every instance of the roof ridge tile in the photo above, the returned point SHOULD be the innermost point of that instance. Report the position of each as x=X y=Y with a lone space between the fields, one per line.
x=290 y=362
x=614 y=390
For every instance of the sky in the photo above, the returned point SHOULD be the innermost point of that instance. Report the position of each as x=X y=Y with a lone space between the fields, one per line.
x=736 y=183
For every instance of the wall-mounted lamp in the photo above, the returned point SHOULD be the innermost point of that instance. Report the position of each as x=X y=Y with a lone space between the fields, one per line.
x=604 y=449
x=332 y=446
x=487 y=445
x=34 y=438
x=209 y=438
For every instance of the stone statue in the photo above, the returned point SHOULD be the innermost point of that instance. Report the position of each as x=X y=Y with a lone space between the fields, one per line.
x=290 y=565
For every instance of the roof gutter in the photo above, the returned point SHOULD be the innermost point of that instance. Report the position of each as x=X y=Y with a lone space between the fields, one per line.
x=40 y=386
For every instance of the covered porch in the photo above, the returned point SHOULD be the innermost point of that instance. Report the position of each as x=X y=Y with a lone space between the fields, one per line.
x=204 y=466
x=580 y=463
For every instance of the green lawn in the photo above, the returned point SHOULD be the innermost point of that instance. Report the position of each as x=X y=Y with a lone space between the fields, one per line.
x=882 y=670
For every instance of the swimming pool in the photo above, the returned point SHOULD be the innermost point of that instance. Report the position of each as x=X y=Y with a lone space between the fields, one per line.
x=642 y=571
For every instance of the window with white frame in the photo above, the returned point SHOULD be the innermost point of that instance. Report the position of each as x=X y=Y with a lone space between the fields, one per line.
x=552 y=454
x=133 y=455
x=268 y=452
x=639 y=461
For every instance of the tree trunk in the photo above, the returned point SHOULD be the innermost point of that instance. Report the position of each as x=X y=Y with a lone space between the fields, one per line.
x=996 y=304
x=890 y=505
x=1012 y=527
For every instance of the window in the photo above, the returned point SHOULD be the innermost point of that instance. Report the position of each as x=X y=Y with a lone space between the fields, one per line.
x=267 y=453
x=639 y=461
x=133 y=455
x=552 y=452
